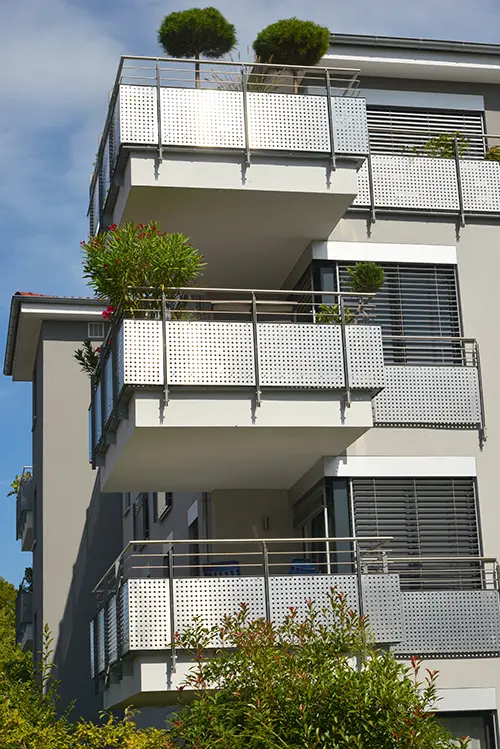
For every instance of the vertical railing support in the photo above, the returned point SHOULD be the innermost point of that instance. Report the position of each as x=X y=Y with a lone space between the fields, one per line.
x=244 y=89
x=331 y=124
x=359 y=578
x=267 y=595
x=482 y=410
x=164 y=346
x=327 y=542
x=158 y=112
x=255 y=332
x=459 y=182
x=371 y=189
x=345 y=355
x=171 y=594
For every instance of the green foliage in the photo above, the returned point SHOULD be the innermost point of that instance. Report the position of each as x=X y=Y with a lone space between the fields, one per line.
x=329 y=314
x=27 y=581
x=442 y=147
x=16 y=484
x=14 y=487
x=292 y=42
x=87 y=357
x=196 y=32
x=138 y=255
x=312 y=682
x=492 y=154
x=364 y=278
x=29 y=717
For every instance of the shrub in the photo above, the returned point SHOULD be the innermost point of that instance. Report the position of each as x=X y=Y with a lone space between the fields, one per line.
x=314 y=680
x=292 y=42
x=138 y=256
x=196 y=32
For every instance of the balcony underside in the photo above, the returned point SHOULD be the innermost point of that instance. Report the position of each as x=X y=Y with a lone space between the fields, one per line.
x=252 y=224
x=206 y=441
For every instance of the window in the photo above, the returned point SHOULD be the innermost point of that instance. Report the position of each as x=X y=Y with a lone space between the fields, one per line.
x=127 y=501
x=397 y=131
x=162 y=503
x=95 y=330
x=426 y=517
x=416 y=300
x=141 y=517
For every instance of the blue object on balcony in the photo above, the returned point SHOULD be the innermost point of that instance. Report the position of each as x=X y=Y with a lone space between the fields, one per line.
x=303 y=567
x=222 y=569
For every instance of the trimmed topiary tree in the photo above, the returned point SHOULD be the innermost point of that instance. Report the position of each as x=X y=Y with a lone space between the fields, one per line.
x=196 y=32
x=292 y=42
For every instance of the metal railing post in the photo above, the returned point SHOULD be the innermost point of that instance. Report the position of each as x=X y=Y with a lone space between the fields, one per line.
x=327 y=546
x=244 y=89
x=371 y=188
x=331 y=124
x=114 y=365
x=267 y=596
x=359 y=579
x=459 y=182
x=158 y=112
x=171 y=593
x=255 y=333
x=482 y=426
x=345 y=356
x=164 y=345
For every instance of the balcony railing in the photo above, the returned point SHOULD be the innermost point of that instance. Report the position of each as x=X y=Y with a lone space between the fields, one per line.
x=256 y=340
x=24 y=616
x=156 y=588
x=432 y=381
x=457 y=185
x=236 y=107
x=24 y=500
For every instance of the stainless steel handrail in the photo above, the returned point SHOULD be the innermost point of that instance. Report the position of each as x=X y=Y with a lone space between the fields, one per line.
x=346 y=80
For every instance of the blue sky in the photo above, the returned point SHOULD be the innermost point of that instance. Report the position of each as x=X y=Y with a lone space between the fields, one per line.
x=58 y=60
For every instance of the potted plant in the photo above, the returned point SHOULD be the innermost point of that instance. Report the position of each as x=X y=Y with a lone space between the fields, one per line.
x=292 y=42
x=127 y=265
x=364 y=278
x=196 y=32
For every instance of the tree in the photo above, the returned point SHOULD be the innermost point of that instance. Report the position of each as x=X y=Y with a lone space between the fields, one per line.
x=196 y=32
x=292 y=42
x=314 y=681
x=29 y=717
x=119 y=260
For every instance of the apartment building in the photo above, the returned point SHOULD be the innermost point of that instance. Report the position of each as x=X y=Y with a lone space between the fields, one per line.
x=253 y=449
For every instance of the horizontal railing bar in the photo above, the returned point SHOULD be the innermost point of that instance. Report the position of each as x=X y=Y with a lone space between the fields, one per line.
x=300 y=292
x=229 y=63
x=378 y=540
x=429 y=134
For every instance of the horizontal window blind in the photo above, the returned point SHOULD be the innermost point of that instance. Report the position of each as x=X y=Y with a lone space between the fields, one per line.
x=394 y=131
x=162 y=503
x=426 y=517
x=415 y=300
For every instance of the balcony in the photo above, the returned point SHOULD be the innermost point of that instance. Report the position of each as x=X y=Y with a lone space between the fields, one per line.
x=431 y=382
x=24 y=510
x=24 y=618
x=242 y=384
x=461 y=184
x=208 y=160
x=436 y=607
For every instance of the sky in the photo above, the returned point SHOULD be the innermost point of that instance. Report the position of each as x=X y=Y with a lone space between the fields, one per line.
x=59 y=59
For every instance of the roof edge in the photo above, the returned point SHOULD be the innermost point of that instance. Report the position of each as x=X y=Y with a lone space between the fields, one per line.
x=20 y=298
x=432 y=45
